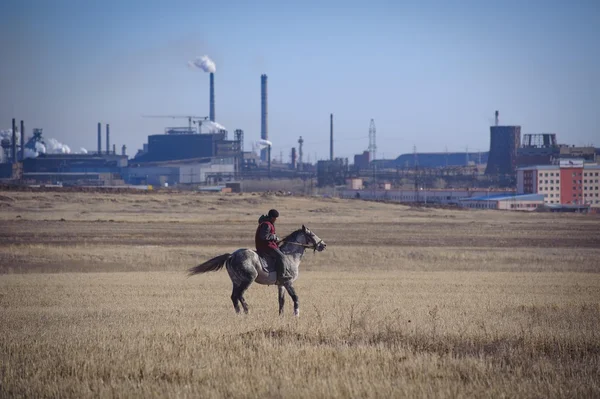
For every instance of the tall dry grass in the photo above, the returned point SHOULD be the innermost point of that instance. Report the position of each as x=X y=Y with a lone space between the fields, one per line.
x=417 y=334
x=405 y=302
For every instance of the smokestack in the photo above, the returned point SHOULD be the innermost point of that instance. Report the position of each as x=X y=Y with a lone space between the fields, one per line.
x=99 y=138
x=107 y=138
x=300 y=142
x=14 y=141
x=114 y=149
x=496 y=120
x=331 y=137
x=22 y=140
x=269 y=162
x=294 y=158
x=124 y=150
x=264 y=114
x=212 y=97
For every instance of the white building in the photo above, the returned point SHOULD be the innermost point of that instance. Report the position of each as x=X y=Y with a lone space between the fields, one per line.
x=525 y=202
x=434 y=196
x=173 y=173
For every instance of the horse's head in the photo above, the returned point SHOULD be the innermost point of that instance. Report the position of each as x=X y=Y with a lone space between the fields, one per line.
x=304 y=238
x=313 y=240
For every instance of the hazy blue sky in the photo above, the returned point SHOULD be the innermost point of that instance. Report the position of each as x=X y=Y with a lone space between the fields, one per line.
x=431 y=73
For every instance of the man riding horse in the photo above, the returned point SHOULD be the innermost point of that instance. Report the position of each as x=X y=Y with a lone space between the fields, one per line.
x=267 y=242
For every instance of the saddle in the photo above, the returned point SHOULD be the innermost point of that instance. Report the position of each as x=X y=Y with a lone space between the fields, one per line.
x=266 y=262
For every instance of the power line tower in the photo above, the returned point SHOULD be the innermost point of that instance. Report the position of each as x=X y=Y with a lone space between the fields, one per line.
x=300 y=142
x=372 y=140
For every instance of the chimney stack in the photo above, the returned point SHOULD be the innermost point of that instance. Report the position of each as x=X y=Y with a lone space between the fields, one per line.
x=114 y=149
x=269 y=162
x=264 y=114
x=294 y=159
x=22 y=140
x=212 y=97
x=107 y=138
x=496 y=119
x=99 y=138
x=14 y=141
x=124 y=150
x=300 y=142
x=331 y=137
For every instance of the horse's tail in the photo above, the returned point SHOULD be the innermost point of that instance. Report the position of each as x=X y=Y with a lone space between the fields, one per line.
x=212 y=265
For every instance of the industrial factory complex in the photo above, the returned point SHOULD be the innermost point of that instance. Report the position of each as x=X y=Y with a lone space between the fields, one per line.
x=520 y=172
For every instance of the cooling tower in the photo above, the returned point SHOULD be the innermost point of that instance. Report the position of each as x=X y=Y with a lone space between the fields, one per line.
x=504 y=141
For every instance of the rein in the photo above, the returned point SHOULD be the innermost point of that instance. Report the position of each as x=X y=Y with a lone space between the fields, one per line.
x=298 y=244
x=307 y=246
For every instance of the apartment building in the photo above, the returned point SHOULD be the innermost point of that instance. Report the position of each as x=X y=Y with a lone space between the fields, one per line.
x=572 y=182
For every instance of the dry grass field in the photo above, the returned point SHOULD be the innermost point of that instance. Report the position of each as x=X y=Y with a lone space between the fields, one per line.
x=404 y=302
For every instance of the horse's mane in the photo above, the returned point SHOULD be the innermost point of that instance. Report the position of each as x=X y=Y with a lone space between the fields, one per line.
x=291 y=235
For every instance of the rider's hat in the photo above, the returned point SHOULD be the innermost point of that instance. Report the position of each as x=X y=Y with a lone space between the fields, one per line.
x=273 y=213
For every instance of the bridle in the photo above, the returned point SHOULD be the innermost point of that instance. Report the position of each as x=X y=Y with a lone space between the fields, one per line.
x=307 y=246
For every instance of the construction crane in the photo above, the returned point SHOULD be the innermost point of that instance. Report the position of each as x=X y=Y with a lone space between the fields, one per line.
x=191 y=119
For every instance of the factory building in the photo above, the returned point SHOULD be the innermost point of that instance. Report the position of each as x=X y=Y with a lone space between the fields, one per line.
x=524 y=202
x=439 y=159
x=571 y=182
x=175 y=145
x=192 y=171
x=75 y=169
x=332 y=172
x=34 y=164
x=361 y=161
x=426 y=196
x=181 y=156
x=543 y=149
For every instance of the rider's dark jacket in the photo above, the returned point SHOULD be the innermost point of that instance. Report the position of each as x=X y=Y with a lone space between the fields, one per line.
x=265 y=237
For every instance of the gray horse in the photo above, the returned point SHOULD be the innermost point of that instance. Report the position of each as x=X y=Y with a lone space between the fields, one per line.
x=244 y=266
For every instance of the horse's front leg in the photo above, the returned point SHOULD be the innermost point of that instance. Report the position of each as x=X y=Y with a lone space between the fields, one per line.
x=281 y=292
x=290 y=289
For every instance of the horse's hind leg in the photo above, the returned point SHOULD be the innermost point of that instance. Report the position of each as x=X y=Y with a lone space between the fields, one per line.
x=281 y=292
x=290 y=289
x=238 y=293
x=234 y=299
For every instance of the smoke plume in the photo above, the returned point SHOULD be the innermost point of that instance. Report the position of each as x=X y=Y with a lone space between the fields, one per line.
x=6 y=134
x=54 y=146
x=212 y=127
x=49 y=146
x=29 y=153
x=204 y=63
